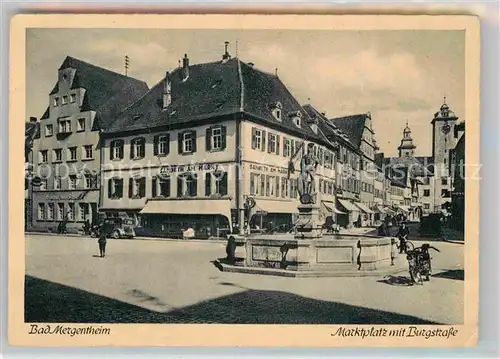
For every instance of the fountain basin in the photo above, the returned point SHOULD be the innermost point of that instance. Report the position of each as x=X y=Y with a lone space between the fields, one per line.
x=329 y=255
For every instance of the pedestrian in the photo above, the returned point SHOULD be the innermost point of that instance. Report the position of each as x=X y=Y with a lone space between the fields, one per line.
x=64 y=225
x=403 y=233
x=102 y=240
x=86 y=226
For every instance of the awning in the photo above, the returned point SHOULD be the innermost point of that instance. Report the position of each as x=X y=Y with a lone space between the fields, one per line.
x=379 y=209
x=389 y=210
x=348 y=205
x=363 y=207
x=275 y=206
x=330 y=207
x=189 y=206
x=404 y=208
x=416 y=204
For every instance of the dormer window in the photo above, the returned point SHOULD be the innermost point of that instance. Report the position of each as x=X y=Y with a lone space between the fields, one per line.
x=296 y=117
x=64 y=100
x=56 y=101
x=276 y=108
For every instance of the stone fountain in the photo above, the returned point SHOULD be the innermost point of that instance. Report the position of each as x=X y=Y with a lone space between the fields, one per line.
x=309 y=253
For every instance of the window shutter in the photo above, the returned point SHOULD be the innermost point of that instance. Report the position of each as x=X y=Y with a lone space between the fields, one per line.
x=195 y=184
x=179 y=186
x=254 y=144
x=208 y=139
x=142 y=187
x=179 y=141
x=193 y=136
x=154 y=186
x=263 y=141
x=120 y=186
x=278 y=144
x=223 y=190
x=155 y=145
x=167 y=145
x=224 y=135
x=121 y=145
x=208 y=184
x=132 y=148
x=130 y=187
x=110 y=188
x=269 y=143
x=167 y=180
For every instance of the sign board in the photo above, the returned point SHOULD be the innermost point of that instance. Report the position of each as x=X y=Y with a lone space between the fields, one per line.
x=165 y=170
x=261 y=213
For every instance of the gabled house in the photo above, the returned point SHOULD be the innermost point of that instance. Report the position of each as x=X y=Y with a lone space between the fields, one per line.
x=211 y=146
x=66 y=154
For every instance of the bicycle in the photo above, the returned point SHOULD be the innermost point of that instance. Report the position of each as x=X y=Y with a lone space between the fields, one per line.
x=409 y=246
x=419 y=263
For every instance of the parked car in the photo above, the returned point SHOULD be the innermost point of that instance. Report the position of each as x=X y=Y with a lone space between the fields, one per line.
x=120 y=227
x=431 y=225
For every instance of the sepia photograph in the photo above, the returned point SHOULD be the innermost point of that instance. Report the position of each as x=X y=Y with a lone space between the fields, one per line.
x=246 y=176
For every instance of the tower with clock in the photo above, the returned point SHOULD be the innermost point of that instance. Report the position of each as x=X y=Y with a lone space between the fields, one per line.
x=443 y=144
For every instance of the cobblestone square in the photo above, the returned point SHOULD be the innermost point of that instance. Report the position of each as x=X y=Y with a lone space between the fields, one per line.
x=149 y=281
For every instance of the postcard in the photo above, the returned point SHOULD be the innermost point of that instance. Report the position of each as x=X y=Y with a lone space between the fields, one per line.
x=244 y=180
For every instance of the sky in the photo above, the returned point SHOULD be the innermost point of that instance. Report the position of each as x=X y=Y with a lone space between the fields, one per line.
x=397 y=76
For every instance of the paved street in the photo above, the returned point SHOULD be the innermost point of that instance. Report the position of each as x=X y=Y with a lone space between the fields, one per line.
x=176 y=282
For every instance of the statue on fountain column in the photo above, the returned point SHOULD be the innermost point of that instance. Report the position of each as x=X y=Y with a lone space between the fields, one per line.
x=306 y=185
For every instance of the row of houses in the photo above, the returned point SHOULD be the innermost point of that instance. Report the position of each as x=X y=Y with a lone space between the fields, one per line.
x=199 y=146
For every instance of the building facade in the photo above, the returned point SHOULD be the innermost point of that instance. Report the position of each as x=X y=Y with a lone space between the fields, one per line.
x=67 y=152
x=212 y=147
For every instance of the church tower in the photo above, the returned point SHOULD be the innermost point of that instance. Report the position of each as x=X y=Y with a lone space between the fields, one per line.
x=406 y=148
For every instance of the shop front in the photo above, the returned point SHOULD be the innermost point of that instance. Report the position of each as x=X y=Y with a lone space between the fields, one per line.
x=52 y=208
x=170 y=218
x=331 y=213
x=366 y=214
x=351 y=216
x=273 y=215
x=379 y=213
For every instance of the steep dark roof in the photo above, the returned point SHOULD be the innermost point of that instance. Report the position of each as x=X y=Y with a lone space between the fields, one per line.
x=353 y=126
x=379 y=159
x=107 y=92
x=328 y=128
x=46 y=114
x=214 y=89
x=260 y=88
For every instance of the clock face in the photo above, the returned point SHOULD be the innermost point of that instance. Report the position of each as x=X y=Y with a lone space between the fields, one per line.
x=446 y=129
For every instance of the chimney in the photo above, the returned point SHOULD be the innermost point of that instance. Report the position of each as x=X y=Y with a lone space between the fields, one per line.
x=226 y=55
x=251 y=64
x=33 y=119
x=185 y=67
x=167 y=91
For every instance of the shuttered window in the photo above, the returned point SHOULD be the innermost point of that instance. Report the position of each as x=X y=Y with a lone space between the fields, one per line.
x=258 y=139
x=187 y=142
x=215 y=138
x=137 y=187
x=161 y=145
x=137 y=148
x=221 y=183
x=115 y=188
